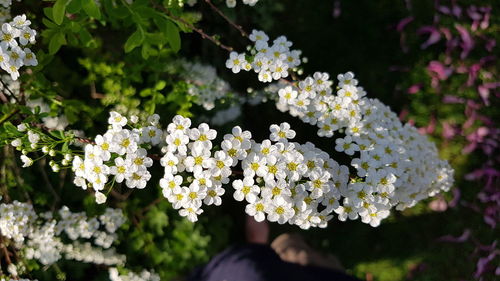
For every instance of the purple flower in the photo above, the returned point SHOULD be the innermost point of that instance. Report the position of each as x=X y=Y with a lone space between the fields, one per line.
x=402 y=23
x=413 y=89
x=434 y=35
x=484 y=91
x=460 y=239
x=467 y=43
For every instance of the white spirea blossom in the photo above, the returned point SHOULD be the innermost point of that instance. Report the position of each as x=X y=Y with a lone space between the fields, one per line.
x=15 y=38
x=283 y=181
x=291 y=182
x=131 y=162
x=40 y=236
x=204 y=84
x=232 y=3
x=144 y=275
x=395 y=165
x=271 y=62
x=18 y=279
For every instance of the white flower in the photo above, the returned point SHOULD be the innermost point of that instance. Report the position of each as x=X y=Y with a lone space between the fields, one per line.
x=21 y=21
x=117 y=120
x=100 y=198
x=281 y=132
x=138 y=178
x=33 y=137
x=236 y=61
x=8 y=36
x=191 y=212
x=22 y=127
x=177 y=141
x=288 y=95
x=279 y=210
x=198 y=160
x=257 y=210
x=346 y=145
x=171 y=184
x=103 y=146
x=347 y=79
x=27 y=35
x=139 y=159
x=203 y=134
x=245 y=190
x=231 y=3
x=213 y=196
x=151 y=134
x=120 y=170
x=258 y=35
x=170 y=162
x=221 y=164
x=254 y=165
x=16 y=143
x=26 y=161
x=265 y=76
x=154 y=119
x=180 y=124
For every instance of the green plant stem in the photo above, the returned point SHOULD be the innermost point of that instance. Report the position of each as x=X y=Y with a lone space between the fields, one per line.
x=5 y=118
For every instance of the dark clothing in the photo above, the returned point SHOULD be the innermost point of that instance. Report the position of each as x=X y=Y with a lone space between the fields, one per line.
x=255 y=262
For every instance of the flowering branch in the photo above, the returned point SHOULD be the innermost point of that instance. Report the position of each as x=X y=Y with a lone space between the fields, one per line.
x=233 y=24
x=192 y=27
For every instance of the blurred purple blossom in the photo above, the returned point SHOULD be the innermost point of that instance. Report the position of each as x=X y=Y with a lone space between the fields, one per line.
x=460 y=239
x=467 y=43
x=434 y=35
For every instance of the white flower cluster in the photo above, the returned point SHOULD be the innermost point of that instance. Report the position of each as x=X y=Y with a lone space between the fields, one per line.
x=204 y=83
x=20 y=279
x=270 y=62
x=144 y=275
x=85 y=252
x=15 y=220
x=5 y=10
x=189 y=150
x=118 y=153
x=39 y=236
x=232 y=3
x=14 y=37
x=394 y=165
x=287 y=182
x=51 y=122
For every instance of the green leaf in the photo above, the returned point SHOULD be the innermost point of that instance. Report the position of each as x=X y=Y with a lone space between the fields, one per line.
x=86 y=38
x=90 y=7
x=74 y=6
x=10 y=128
x=57 y=134
x=56 y=42
x=59 y=10
x=134 y=40
x=173 y=36
x=160 y=85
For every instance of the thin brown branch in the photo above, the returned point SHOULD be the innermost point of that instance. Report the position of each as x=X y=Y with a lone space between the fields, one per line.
x=3 y=98
x=192 y=27
x=5 y=251
x=93 y=92
x=119 y=196
x=149 y=206
x=48 y=184
x=232 y=23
